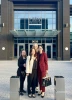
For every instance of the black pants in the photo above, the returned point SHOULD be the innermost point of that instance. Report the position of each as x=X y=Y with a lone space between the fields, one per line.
x=32 y=81
x=37 y=81
x=22 y=79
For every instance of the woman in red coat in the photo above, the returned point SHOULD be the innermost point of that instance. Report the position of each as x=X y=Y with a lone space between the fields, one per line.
x=42 y=69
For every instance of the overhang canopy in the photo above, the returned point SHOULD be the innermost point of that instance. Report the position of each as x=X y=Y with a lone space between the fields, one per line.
x=34 y=33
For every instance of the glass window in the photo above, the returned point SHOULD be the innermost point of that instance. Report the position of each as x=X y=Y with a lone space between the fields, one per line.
x=15 y=50
x=26 y=48
x=50 y=21
x=20 y=16
x=48 y=15
x=16 y=26
x=15 y=20
x=54 y=15
x=71 y=23
x=30 y=41
x=48 y=40
x=16 y=15
x=21 y=41
x=54 y=12
x=70 y=1
x=49 y=12
x=54 y=55
x=35 y=20
x=49 y=26
x=43 y=23
x=43 y=40
x=26 y=23
x=34 y=26
x=26 y=41
x=54 y=26
x=54 y=20
x=15 y=40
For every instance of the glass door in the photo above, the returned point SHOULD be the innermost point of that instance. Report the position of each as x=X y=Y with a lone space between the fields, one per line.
x=48 y=50
x=30 y=46
x=20 y=47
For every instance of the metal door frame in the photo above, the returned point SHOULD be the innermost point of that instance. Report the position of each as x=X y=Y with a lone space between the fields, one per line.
x=49 y=44
x=19 y=44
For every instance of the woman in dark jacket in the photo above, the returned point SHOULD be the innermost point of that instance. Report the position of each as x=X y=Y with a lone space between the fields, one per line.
x=22 y=69
x=42 y=69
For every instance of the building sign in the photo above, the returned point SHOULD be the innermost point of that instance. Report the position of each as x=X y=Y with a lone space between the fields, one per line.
x=34 y=21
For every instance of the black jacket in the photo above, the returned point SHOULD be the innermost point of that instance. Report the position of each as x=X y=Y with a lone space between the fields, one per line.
x=21 y=61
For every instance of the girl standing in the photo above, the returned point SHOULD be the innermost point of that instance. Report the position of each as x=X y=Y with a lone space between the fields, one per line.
x=42 y=69
x=22 y=69
x=31 y=72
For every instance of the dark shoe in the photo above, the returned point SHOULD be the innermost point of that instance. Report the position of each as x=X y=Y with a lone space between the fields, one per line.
x=43 y=94
x=33 y=95
x=36 y=91
x=29 y=95
x=24 y=91
x=21 y=94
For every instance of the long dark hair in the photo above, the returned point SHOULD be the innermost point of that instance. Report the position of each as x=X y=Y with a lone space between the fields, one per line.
x=21 y=53
x=31 y=53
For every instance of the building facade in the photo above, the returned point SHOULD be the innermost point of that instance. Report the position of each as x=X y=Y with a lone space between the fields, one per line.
x=46 y=22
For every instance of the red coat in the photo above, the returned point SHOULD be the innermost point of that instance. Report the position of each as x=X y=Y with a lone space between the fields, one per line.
x=43 y=62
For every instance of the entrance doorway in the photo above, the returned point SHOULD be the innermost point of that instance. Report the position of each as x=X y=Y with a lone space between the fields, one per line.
x=49 y=50
x=20 y=47
x=47 y=47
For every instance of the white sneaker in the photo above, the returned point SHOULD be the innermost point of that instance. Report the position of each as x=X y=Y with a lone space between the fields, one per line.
x=39 y=92
x=36 y=89
x=43 y=94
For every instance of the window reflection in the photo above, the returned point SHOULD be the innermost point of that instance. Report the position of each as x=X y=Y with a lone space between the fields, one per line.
x=50 y=27
x=37 y=19
x=70 y=1
x=71 y=23
x=48 y=16
x=54 y=26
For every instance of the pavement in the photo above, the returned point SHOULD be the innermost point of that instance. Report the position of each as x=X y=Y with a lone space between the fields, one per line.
x=62 y=68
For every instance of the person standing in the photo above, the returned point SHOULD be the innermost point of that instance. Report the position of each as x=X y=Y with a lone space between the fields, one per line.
x=31 y=72
x=42 y=69
x=35 y=46
x=22 y=68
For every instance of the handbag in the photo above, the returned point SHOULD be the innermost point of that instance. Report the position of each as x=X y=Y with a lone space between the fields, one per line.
x=46 y=81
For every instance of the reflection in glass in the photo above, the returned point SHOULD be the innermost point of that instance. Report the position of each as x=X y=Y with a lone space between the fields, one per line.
x=54 y=21
x=70 y=1
x=16 y=26
x=54 y=15
x=15 y=20
x=50 y=27
x=50 y=21
x=54 y=26
x=71 y=23
x=49 y=12
x=48 y=15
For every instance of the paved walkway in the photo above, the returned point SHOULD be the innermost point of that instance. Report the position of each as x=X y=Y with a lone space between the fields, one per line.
x=8 y=69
